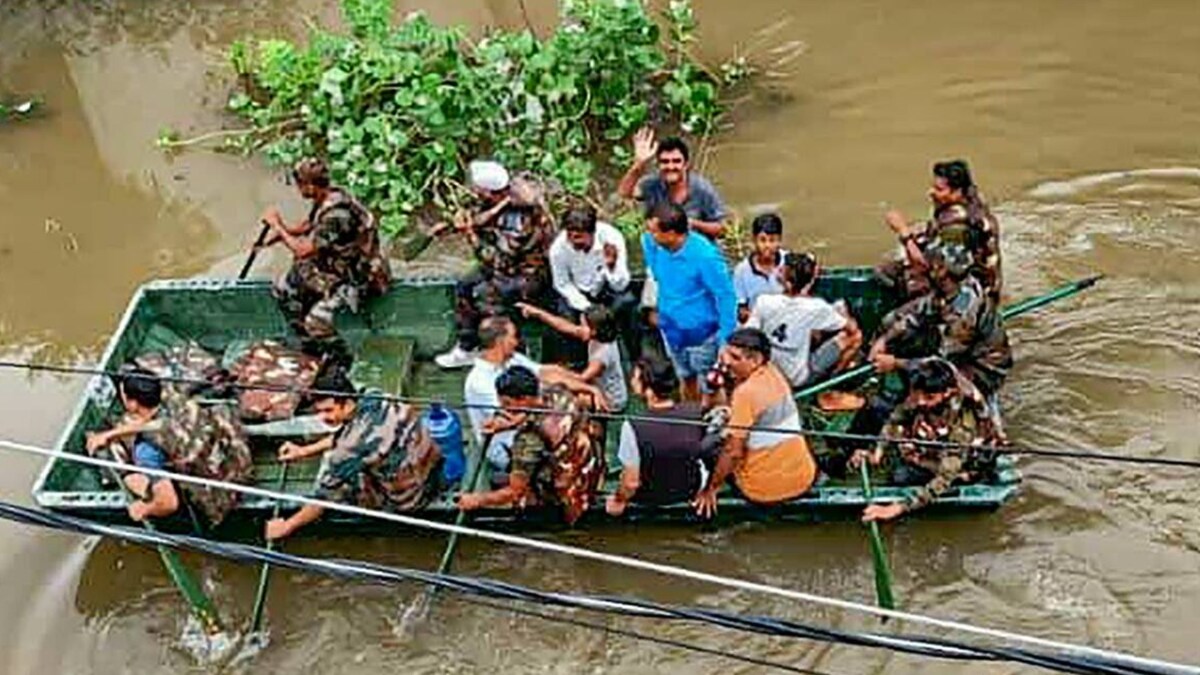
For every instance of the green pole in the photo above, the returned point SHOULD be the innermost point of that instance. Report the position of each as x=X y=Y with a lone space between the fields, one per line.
x=1009 y=312
x=883 y=572
x=420 y=607
x=264 y=575
x=199 y=603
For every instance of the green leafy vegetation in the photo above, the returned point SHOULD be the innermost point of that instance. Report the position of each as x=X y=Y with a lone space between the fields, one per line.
x=398 y=109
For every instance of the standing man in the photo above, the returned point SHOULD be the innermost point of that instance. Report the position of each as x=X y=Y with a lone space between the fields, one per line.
x=674 y=183
x=767 y=467
x=761 y=273
x=960 y=217
x=589 y=265
x=511 y=232
x=697 y=311
x=337 y=261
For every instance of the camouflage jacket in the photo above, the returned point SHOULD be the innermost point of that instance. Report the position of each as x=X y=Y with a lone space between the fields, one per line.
x=346 y=239
x=965 y=329
x=965 y=419
x=271 y=363
x=202 y=441
x=189 y=362
x=516 y=243
x=970 y=224
x=562 y=454
x=382 y=458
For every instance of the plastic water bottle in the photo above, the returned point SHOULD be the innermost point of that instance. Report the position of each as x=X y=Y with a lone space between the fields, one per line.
x=447 y=432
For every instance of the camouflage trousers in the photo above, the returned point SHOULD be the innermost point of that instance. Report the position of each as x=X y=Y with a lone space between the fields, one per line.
x=310 y=309
x=477 y=297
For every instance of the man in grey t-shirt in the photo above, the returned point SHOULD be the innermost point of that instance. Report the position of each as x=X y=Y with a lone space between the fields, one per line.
x=673 y=182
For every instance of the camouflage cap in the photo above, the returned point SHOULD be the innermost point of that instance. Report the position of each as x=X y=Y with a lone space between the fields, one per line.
x=954 y=258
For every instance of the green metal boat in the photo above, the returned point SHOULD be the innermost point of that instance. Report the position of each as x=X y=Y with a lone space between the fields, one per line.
x=394 y=340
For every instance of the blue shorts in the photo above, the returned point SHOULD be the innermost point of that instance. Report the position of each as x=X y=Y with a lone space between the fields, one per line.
x=695 y=361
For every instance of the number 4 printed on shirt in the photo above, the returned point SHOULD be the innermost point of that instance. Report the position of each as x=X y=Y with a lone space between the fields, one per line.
x=780 y=333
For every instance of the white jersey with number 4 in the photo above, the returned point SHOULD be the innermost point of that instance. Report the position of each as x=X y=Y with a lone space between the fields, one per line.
x=790 y=322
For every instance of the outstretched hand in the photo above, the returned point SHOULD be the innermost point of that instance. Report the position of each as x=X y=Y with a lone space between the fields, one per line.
x=882 y=512
x=705 y=503
x=644 y=145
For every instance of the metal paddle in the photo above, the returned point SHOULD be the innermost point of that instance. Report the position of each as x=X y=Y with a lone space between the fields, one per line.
x=264 y=575
x=199 y=603
x=419 y=609
x=883 y=572
x=1009 y=312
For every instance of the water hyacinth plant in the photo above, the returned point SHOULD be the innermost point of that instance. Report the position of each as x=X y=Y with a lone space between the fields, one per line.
x=399 y=108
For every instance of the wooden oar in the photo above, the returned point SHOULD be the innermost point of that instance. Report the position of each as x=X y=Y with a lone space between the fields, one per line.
x=883 y=571
x=199 y=603
x=1009 y=312
x=417 y=611
x=262 y=238
x=264 y=575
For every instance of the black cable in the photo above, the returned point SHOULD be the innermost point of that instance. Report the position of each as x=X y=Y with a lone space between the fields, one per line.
x=624 y=417
x=499 y=590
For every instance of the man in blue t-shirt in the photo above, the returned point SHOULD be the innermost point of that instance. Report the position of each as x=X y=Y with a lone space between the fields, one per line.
x=697 y=310
x=673 y=183
x=141 y=397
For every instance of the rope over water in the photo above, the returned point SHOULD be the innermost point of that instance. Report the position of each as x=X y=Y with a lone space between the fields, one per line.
x=626 y=417
x=1084 y=654
x=1071 y=661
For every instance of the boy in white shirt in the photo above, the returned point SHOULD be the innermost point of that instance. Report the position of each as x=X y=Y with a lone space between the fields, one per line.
x=796 y=321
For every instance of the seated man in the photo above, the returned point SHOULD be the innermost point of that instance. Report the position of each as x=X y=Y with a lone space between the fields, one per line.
x=141 y=397
x=956 y=321
x=500 y=342
x=511 y=233
x=171 y=431
x=674 y=184
x=589 y=265
x=942 y=407
x=796 y=321
x=697 y=310
x=761 y=273
x=380 y=457
x=960 y=217
x=337 y=262
x=662 y=462
x=767 y=466
x=557 y=458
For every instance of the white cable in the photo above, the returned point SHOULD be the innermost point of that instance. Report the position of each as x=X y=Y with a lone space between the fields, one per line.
x=624 y=561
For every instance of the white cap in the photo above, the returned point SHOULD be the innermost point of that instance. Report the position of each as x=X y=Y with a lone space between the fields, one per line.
x=488 y=175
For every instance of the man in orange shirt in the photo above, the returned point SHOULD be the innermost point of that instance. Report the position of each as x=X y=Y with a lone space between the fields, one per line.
x=767 y=466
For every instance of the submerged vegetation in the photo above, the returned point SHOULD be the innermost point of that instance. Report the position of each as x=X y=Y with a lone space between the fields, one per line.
x=398 y=109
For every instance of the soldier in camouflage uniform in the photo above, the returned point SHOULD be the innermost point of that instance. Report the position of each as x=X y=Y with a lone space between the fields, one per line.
x=942 y=407
x=337 y=263
x=381 y=457
x=956 y=320
x=164 y=429
x=960 y=216
x=511 y=234
x=557 y=458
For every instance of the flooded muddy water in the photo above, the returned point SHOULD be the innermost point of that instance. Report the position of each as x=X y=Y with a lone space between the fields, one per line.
x=1081 y=124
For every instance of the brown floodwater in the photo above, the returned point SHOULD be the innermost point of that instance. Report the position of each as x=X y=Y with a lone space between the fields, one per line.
x=1081 y=123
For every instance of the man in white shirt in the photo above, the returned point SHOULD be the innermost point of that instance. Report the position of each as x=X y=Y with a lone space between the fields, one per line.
x=796 y=319
x=589 y=265
x=499 y=339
